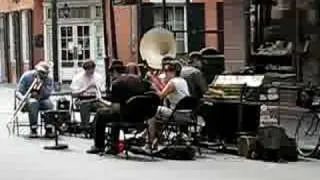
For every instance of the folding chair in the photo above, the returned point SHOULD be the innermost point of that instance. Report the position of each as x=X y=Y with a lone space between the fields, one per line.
x=183 y=120
x=134 y=115
x=74 y=126
x=18 y=124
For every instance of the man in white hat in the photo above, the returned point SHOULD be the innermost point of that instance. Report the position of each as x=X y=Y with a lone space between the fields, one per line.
x=39 y=100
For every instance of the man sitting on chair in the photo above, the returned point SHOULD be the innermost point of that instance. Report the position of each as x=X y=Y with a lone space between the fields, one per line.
x=83 y=86
x=124 y=86
x=39 y=100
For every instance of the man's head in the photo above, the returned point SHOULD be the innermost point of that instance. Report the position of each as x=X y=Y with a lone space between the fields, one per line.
x=89 y=67
x=172 y=69
x=167 y=59
x=117 y=68
x=42 y=69
x=195 y=60
x=132 y=68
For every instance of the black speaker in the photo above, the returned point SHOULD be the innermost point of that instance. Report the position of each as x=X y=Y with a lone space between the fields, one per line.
x=222 y=120
x=63 y=104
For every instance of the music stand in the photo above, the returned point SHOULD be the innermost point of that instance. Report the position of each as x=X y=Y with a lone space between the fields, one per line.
x=58 y=114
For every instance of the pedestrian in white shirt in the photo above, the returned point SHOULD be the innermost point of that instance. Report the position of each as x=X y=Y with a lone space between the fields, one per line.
x=83 y=87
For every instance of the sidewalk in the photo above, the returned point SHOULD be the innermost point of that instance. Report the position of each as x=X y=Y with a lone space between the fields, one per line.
x=22 y=158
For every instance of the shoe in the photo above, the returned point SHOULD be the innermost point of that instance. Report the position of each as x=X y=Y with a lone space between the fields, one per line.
x=33 y=133
x=95 y=150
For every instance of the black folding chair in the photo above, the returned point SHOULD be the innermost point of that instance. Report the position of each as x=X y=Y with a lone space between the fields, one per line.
x=134 y=115
x=183 y=120
x=19 y=123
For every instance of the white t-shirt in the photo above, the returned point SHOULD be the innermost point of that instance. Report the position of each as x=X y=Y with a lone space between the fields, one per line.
x=81 y=80
x=181 y=91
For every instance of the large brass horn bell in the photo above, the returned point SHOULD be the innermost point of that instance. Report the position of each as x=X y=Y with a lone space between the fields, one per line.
x=156 y=44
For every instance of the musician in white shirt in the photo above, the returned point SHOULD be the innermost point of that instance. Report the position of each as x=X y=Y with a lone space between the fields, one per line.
x=175 y=89
x=83 y=86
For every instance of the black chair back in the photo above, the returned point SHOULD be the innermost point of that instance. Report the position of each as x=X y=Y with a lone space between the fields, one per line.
x=138 y=109
x=188 y=102
x=185 y=111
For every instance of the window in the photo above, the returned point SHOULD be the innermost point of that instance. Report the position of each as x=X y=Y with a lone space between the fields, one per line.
x=76 y=12
x=74 y=43
x=66 y=39
x=175 y=23
x=49 y=13
x=98 y=11
x=83 y=37
x=99 y=42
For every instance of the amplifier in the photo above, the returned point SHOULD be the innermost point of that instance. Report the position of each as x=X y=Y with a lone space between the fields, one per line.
x=56 y=116
x=63 y=104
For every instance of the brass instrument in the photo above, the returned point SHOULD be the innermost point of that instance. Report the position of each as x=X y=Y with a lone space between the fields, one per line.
x=156 y=44
x=35 y=86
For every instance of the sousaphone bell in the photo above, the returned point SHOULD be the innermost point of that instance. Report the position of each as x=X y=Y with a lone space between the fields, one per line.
x=156 y=44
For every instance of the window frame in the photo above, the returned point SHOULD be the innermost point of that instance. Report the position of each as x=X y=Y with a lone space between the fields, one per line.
x=175 y=31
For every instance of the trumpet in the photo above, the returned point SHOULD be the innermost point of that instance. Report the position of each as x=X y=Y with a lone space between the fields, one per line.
x=35 y=86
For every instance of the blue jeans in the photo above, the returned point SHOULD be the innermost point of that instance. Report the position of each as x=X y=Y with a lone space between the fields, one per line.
x=33 y=108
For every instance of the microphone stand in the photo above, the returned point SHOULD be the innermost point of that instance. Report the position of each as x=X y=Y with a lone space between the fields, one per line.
x=57 y=121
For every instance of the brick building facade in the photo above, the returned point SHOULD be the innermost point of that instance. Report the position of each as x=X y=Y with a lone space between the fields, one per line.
x=25 y=31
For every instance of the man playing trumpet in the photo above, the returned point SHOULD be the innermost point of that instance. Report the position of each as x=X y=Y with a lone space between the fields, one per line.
x=84 y=86
x=39 y=99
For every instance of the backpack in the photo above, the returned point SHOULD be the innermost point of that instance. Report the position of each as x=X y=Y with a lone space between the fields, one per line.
x=271 y=144
x=274 y=144
x=177 y=152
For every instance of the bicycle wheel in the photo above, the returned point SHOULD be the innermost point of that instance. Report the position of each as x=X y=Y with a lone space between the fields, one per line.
x=307 y=134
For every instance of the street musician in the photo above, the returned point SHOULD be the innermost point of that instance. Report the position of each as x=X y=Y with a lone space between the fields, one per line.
x=83 y=86
x=176 y=88
x=39 y=99
x=125 y=84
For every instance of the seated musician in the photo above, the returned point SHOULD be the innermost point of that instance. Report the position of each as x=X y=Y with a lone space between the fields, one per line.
x=194 y=76
x=39 y=100
x=83 y=86
x=176 y=88
x=124 y=86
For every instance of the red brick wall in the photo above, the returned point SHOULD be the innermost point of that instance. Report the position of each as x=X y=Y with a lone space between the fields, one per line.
x=123 y=24
x=37 y=15
x=210 y=21
x=124 y=18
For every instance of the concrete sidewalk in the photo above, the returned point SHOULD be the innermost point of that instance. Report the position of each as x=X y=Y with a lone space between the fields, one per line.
x=22 y=158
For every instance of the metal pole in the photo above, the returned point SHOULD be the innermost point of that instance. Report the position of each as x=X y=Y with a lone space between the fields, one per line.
x=164 y=13
x=55 y=41
x=297 y=43
x=139 y=29
x=247 y=30
x=188 y=21
x=113 y=31
x=106 y=55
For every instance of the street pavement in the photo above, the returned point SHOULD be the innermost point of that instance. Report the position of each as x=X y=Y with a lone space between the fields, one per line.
x=22 y=158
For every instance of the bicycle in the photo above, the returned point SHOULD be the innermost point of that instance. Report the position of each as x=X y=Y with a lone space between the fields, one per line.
x=309 y=98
